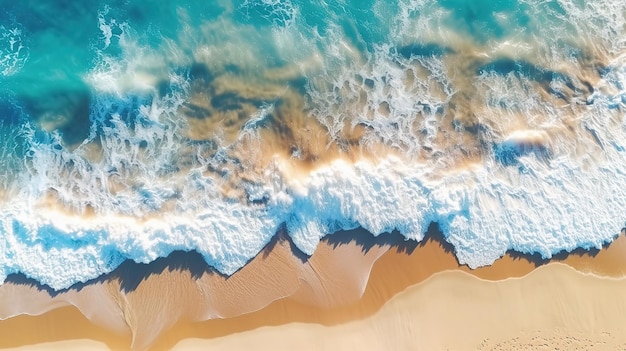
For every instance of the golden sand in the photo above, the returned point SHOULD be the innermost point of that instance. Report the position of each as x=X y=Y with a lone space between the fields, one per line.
x=323 y=291
x=553 y=308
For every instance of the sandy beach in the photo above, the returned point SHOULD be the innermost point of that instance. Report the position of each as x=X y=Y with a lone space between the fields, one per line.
x=417 y=297
x=552 y=308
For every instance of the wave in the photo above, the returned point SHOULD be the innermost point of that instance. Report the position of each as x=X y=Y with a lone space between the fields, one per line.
x=266 y=115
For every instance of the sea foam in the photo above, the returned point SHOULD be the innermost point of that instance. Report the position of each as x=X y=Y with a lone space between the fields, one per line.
x=483 y=212
x=13 y=50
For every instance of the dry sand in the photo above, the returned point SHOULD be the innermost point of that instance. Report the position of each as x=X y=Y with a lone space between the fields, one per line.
x=553 y=308
x=324 y=302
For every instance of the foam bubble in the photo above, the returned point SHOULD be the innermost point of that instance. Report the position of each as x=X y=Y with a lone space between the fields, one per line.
x=13 y=50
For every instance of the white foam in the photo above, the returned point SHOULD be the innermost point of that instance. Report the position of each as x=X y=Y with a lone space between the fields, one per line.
x=397 y=111
x=483 y=212
x=61 y=250
x=13 y=50
x=106 y=27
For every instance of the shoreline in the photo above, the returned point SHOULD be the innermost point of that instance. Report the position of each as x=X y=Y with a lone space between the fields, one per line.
x=297 y=302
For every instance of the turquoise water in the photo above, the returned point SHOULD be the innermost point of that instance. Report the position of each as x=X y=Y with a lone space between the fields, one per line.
x=132 y=129
x=63 y=41
x=49 y=47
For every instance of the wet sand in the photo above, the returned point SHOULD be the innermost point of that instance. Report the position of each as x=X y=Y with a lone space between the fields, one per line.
x=323 y=297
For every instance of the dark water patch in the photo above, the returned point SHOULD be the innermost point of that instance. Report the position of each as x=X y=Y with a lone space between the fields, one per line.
x=11 y=114
x=509 y=152
x=227 y=101
x=200 y=71
x=66 y=110
x=300 y=85
x=77 y=130
x=40 y=16
x=504 y=66
x=232 y=100
x=475 y=128
x=423 y=50
x=555 y=83
x=57 y=102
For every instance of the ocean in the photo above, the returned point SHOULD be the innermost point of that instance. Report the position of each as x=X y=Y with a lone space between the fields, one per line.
x=132 y=129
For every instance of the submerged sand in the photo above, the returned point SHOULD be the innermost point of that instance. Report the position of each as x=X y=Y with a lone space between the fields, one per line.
x=417 y=297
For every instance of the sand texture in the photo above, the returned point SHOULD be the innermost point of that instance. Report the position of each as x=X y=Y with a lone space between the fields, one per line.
x=353 y=285
x=553 y=308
